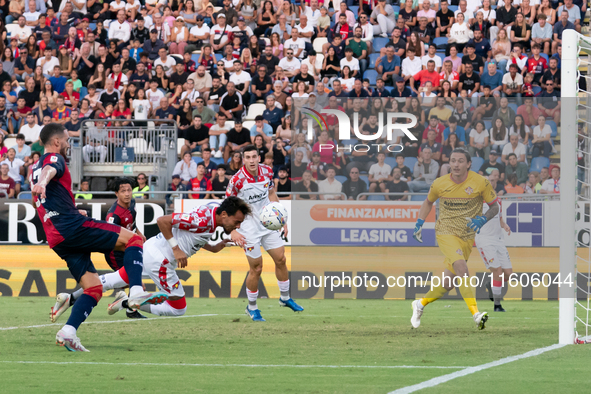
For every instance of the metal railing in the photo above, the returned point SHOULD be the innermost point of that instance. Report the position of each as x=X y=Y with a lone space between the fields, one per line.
x=409 y=194
x=105 y=148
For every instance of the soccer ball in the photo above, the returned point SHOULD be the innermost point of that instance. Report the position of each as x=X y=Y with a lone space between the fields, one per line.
x=274 y=216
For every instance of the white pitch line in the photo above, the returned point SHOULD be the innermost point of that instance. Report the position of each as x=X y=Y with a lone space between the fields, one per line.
x=119 y=321
x=232 y=365
x=470 y=370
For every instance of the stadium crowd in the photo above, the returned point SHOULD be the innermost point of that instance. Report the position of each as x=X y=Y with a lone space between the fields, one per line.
x=237 y=72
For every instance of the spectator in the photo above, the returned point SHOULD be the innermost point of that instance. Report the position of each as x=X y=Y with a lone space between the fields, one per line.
x=460 y=32
x=354 y=186
x=533 y=183
x=398 y=186
x=406 y=172
x=306 y=185
x=175 y=186
x=425 y=76
x=15 y=169
x=263 y=129
x=505 y=112
x=231 y=103
x=424 y=173
x=529 y=113
x=515 y=147
x=552 y=74
x=298 y=166
x=30 y=131
x=210 y=166
x=389 y=66
x=411 y=65
x=186 y=168
x=549 y=102
x=218 y=136
x=462 y=115
x=494 y=182
x=518 y=168
x=456 y=129
x=330 y=185
x=436 y=126
x=445 y=18
x=196 y=137
x=472 y=58
x=541 y=32
x=479 y=141
x=469 y=85
x=499 y=135
x=326 y=147
x=219 y=184
x=142 y=186
x=23 y=152
x=512 y=187
x=379 y=174
x=450 y=144
x=237 y=139
x=283 y=184
x=383 y=19
x=317 y=167
x=448 y=74
x=432 y=55
x=208 y=115
x=440 y=111
x=433 y=145
x=521 y=130
x=541 y=145
x=279 y=154
x=574 y=13
x=493 y=78
x=84 y=187
x=7 y=184
x=512 y=83
x=492 y=163
x=235 y=164
x=73 y=126
x=200 y=184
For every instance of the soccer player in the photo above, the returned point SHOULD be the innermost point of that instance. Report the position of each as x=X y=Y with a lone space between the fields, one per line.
x=73 y=236
x=122 y=213
x=254 y=184
x=490 y=243
x=182 y=235
x=461 y=195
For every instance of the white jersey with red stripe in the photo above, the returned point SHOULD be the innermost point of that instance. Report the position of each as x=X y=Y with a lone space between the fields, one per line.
x=255 y=191
x=191 y=230
x=491 y=231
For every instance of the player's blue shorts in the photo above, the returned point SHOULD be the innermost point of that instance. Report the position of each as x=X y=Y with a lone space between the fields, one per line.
x=115 y=259
x=93 y=236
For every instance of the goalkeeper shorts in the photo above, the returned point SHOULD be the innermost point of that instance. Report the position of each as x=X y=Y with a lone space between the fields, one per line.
x=454 y=249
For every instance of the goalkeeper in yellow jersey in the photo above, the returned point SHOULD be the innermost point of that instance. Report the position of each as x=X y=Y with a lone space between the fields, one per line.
x=461 y=195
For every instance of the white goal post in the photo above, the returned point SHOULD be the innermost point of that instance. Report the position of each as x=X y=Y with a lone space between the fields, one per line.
x=570 y=97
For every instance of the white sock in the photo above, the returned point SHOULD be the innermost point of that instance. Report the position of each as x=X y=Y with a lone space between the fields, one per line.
x=77 y=293
x=252 y=299
x=69 y=330
x=284 y=289
x=135 y=290
x=164 y=309
x=112 y=281
x=497 y=294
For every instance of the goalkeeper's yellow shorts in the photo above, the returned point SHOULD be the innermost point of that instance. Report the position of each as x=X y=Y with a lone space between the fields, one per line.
x=454 y=249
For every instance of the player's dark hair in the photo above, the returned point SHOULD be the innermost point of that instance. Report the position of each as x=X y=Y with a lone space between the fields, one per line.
x=250 y=148
x=233 y=204
x=464 y=152
x=121 y=181
x=50 y=131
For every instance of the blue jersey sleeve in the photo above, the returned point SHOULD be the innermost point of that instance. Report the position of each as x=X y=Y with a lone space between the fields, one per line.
x=56 y=161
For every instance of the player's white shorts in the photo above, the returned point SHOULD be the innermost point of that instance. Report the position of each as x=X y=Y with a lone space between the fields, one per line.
x=494 y=254
x=256 y=236
x=162 y=271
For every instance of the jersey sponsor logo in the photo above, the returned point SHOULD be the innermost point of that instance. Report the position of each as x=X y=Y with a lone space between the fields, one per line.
x=186 y=217
x=469 y=190
x=459 y=251
x=49 y=215
x=53 y=159
x=257 y=197
x=111 y=220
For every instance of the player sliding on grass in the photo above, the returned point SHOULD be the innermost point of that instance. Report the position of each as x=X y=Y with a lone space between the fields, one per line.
x=491 y=245
x=122 y=213
x=254 y=184
x=182 y=235
x=461 y=195
x=73 y=236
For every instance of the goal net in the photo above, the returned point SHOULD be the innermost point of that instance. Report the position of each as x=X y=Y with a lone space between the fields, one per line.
x=575 y=189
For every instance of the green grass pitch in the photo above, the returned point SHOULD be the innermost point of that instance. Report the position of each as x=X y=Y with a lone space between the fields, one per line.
x=231 y=354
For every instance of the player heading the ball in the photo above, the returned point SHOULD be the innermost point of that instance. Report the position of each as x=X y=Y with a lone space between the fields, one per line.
x=254 y=184
x=461 y=195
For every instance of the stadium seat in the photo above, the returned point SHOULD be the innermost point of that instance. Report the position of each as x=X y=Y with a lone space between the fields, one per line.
x=83 y=92
x=254 y=110
x=139 y=145
x=318 y=43
x=389 y=88
x=487 y=124
x=372 y=60
x=179 y=144
x=179 y=57
x=247 y=124
x=218 y=57
x=365 y=179
x=391 y=161
x=217 y=161
x=410 y=162
x=513 y=106
x=9 y=142
x=440 y=42
x=341 y=178
x=372 y=75
x=267 y=41
x=230 y=124
x=25 y=196
x=10 y=30
x=195 y=57
x=554 y=128
x=355 y=10
x=537 y=90
x=396 y=9
x=441 y=55
x=379 y=43
x=477 y=162
x=453 y=8
x=537 y=163
x=545 y=56
x=92 y=26
x=420 y=197
x=460 y=55
x=376 y=198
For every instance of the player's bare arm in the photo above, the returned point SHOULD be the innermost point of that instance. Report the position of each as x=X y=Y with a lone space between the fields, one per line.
x=46 y=176
x=217 y=247
x=505 y=226
x=165 y=226
x=492 y=212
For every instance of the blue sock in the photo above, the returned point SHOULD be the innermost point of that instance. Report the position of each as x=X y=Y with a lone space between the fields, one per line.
x=81 y=309
x=133 y=261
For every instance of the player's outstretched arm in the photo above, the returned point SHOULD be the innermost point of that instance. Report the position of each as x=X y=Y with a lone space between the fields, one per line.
x=423 y=213
x=217 y=247
x=47 y=175
x=479 y=221
x=165 y=226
